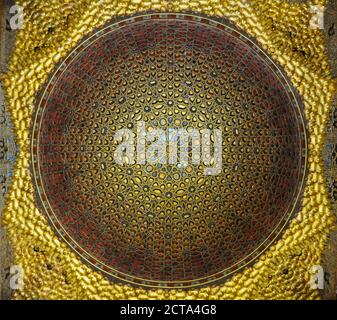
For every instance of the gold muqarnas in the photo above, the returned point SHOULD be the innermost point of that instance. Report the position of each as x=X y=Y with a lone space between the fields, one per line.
x=282 y=28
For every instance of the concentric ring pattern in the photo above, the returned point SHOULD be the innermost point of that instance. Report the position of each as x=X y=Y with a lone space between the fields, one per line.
x=168 y=225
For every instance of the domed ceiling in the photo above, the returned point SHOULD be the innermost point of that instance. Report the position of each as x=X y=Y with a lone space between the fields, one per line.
x=156 y=223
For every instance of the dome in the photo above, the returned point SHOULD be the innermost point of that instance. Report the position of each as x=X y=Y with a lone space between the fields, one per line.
x=154 y=222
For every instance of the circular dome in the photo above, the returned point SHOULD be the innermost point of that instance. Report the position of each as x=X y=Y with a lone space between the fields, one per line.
x=159 y=224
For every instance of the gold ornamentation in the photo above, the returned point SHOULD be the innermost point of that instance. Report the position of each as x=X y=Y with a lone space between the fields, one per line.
x=52 y=270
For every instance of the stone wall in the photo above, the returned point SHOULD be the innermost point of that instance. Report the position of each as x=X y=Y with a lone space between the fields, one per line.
x=8 y=150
